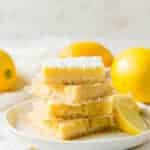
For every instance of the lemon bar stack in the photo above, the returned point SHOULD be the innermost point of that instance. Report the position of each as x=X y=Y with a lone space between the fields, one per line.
x=76 y=90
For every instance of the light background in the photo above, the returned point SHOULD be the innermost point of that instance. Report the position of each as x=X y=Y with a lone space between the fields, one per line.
x=34 y=19
x=43 y=27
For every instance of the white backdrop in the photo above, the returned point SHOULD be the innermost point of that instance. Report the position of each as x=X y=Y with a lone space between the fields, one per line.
x=33 y=19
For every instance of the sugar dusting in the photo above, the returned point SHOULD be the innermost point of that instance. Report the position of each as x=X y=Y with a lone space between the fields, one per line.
x=81 y=62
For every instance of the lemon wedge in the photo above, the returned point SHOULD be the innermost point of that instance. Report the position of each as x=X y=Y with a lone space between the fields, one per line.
x=128 y=115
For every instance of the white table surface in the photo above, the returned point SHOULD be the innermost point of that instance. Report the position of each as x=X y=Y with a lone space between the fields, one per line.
x=28 y=60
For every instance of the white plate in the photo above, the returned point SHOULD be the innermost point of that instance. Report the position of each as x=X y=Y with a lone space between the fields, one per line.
x=105 y=141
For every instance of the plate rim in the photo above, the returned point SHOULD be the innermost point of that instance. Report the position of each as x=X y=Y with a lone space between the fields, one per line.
x=39 y=138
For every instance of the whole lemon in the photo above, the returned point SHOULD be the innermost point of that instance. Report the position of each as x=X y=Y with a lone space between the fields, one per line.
x=7 y=72
x=87 y=48
x=130 y=73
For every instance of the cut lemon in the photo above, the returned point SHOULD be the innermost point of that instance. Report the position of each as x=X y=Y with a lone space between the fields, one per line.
x=128 y=115
x=88 y=48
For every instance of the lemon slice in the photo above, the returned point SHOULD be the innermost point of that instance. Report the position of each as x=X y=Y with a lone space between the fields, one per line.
x=128 y=115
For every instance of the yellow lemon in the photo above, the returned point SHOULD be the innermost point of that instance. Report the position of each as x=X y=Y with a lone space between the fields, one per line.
x=7 y=72
x=87 y=48
x=128 y=115
x=130 y=73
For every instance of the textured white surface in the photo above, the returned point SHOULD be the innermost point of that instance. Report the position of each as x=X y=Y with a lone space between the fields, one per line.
x=32 y=19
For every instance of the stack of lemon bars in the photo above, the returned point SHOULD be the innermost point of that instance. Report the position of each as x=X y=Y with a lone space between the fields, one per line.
x=75 y=93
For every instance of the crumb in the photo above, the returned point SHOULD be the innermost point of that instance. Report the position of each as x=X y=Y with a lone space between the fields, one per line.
x=33 y=147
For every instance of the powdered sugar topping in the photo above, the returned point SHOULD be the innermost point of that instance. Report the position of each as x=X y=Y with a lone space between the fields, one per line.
x=81 y=62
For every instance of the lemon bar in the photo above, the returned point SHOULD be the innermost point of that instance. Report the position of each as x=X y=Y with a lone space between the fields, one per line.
x=71 y=94
x=73 y=70
x=40 y=110
x=90 y=109
x=70 y=129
